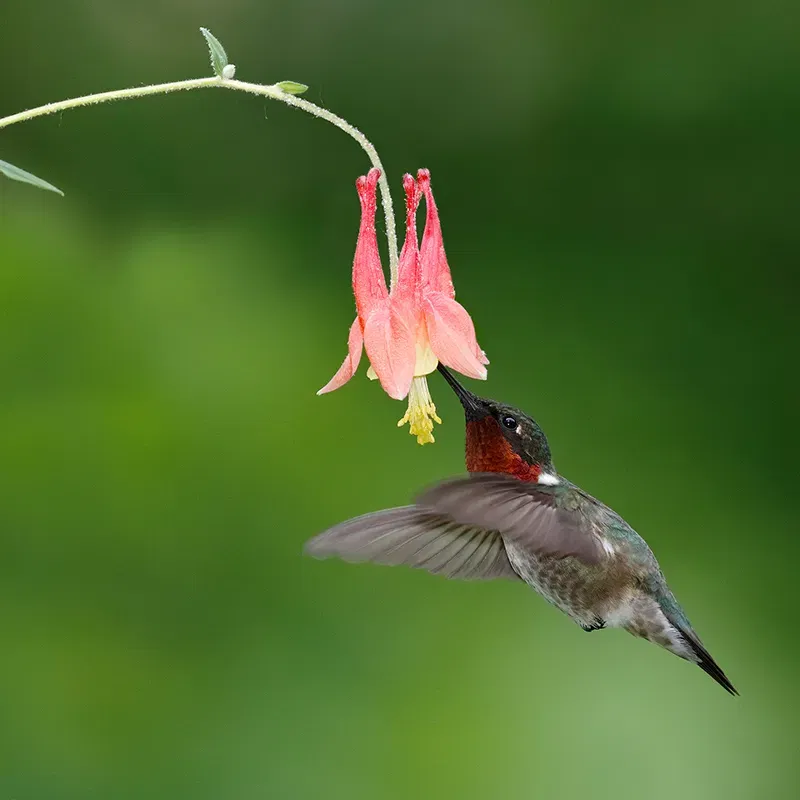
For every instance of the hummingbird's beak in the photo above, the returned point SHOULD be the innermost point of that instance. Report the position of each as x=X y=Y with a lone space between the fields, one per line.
x=473 y=407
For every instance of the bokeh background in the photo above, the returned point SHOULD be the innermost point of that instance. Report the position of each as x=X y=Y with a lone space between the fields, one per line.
x=618 y=186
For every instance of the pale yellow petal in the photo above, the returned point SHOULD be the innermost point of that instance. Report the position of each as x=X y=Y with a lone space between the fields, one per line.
x=426 y=359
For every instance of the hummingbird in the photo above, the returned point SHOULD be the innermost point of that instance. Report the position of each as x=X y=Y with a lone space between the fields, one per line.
x=514 y=516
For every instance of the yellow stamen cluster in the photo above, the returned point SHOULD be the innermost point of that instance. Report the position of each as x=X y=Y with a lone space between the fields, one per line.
x=421 y=412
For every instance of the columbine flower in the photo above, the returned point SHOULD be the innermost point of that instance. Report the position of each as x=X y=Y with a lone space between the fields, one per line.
x=408 y=330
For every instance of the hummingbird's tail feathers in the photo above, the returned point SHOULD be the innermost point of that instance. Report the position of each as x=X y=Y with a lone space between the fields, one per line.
x=419 y=539
x=693 y=647
x=704 y=660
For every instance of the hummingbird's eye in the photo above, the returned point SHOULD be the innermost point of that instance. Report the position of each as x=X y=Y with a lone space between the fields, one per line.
x=510 y=422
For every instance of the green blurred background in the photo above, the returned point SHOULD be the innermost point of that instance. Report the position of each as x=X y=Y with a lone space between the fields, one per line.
x=618 y=186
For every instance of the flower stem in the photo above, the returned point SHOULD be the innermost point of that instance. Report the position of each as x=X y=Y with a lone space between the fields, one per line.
x=273 y=92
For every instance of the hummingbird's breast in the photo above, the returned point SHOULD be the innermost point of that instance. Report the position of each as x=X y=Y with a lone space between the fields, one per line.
x=587 y=594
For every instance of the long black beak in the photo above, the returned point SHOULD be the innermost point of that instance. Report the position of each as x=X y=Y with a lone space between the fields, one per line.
x=473 y=405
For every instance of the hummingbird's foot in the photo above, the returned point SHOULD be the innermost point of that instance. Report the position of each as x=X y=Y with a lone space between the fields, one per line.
x=597 y=625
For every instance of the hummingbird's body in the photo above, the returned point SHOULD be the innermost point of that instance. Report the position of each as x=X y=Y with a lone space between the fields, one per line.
x=625 y=590
x=516 y=517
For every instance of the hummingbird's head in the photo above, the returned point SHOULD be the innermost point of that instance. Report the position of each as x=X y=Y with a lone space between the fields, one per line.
x=501 y=438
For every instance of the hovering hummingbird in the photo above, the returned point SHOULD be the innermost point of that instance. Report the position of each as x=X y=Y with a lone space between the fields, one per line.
x=515 y=517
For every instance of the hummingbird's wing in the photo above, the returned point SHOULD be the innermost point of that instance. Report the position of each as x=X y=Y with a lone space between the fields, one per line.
x=542 y=519
x=417 y=538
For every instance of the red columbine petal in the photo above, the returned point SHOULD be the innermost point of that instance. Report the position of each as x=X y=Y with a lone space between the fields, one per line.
x=435 y=270
x=369 y=283
x=355 y=342
x=452 y=335
x=408 y=267
x=390 y=344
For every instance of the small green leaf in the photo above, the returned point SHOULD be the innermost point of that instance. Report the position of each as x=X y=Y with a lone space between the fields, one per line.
x=219 y=58
x=290 y=87
x=17 y=174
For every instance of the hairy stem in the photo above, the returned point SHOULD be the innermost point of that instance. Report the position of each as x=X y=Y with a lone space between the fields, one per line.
x=273 y=92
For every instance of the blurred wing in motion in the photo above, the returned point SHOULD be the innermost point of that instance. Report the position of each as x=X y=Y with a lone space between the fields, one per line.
x=417 y=538
x=545 y=520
